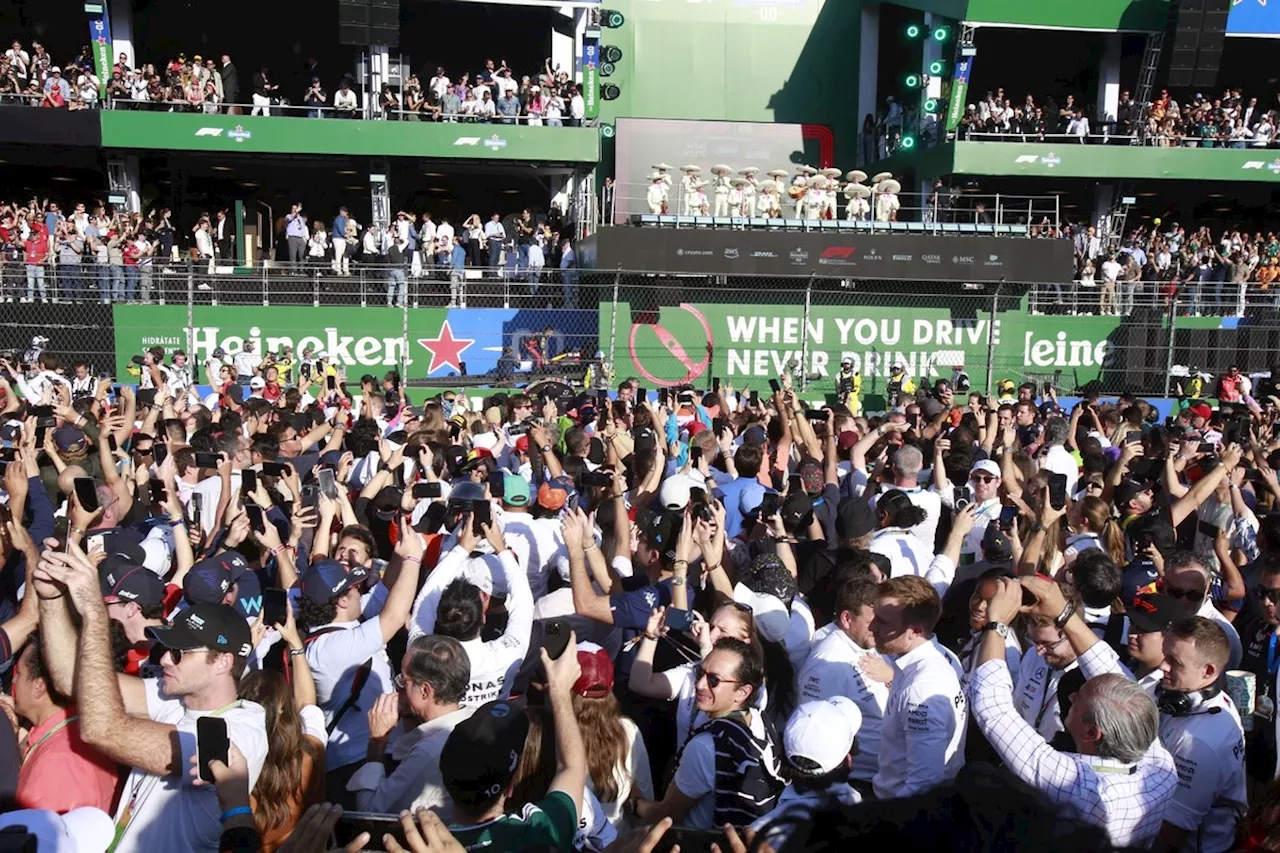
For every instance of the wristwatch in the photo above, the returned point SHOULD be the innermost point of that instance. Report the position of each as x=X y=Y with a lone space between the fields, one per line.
x=999 y=627
x=546 y=448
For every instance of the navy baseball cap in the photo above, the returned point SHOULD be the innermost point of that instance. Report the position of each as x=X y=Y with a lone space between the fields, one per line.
x=133 y=584
x=205 y=626
x=326 y=580
x=209 y=579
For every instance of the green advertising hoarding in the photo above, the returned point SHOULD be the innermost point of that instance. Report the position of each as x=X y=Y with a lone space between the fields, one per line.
x=749 y=344
x=1115 y=162
x=370 y=340
x=281 y=135
x=1110 y=15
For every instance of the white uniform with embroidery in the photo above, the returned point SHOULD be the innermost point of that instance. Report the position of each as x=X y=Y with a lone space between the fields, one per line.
x=722 y=191
x=923 y=732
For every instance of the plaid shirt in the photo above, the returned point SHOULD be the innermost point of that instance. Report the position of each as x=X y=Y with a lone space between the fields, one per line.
x=1128 y=801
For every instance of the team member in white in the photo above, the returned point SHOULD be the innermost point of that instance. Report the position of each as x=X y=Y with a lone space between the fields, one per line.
x=340 y=647
x=832 y=669
x=455 y=597
x=922 y=736
x=149 y=725
x=907 y=462
x=1187 y=578
x=1200 y=727
x=247 y=362
x=1121 y=778
x=983 y=489
x=1035 y=693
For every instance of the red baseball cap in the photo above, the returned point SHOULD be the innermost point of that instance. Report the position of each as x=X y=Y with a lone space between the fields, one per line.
x=596 y=680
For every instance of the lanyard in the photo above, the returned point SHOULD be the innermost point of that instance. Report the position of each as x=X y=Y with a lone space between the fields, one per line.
x=126 y=816
x=53 y=731
x=1048 y=696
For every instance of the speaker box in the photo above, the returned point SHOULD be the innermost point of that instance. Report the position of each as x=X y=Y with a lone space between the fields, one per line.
x=384 y=22
x=353 y=22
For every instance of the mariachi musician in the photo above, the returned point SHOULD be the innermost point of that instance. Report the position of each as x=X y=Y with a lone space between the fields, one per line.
x=657 y=194
x=689 y=188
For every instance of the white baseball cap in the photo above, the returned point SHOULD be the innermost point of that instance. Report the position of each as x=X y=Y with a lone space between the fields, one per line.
x=83 y=830
x=674 y=494
x=771 y=616
x=820 y=735
x=257 y=382
x=986 y=466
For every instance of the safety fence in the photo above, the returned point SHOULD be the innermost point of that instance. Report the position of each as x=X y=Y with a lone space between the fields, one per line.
x=490 y=327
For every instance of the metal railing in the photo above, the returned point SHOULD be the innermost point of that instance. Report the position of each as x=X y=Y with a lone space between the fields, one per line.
x=1003 y=213
x=661 y=327
x=1154 y=138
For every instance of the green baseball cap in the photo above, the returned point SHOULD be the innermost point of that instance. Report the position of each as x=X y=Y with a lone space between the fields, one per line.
x=515 y=490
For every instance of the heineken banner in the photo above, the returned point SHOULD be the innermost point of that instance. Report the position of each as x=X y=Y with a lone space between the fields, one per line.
x=591 y=77
x=1116 y=162
x=749 y=344
x=441 y=342
x=100 y=39
x=959 y=92
x=280 y=135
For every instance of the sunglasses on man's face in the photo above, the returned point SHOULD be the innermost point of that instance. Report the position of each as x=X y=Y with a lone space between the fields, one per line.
x=983 y=478
x=1188 y=594
x=1269 y=594
x=713 y=680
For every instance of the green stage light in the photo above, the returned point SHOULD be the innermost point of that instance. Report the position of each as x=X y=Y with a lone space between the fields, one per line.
x=941 y=34
x=908 y=142
x=937 y=67
x=912 y=81
x=913 y=31
x=931 y=105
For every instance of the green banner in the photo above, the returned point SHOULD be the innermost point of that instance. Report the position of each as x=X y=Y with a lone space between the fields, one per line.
x=1116 y=162
x=959 y=92
x=370 y=340
x=1130 y=15
x=280 y=135
x=749 y=344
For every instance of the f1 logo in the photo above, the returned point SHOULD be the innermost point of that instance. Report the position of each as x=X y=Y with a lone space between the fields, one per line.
x=209 y=131
x=839 y=252
x=1025 y=158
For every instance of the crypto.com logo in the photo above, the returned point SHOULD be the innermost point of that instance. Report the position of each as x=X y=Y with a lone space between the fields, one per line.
x=679 y=350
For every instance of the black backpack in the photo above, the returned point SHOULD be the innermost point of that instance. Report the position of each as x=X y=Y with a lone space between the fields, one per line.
x=748 y=773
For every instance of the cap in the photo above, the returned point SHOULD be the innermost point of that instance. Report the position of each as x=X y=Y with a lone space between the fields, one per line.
x=1153 y=612
x=121 y=556
x=1201 y=410
x=205 y=626
x=522 y=444
x=257 y=382
x=811 y=476
x=767 y=575
x=134 y=584
x=986 y=466
x=209 y=579
x=848 y=439
x=995 y=545
x=854 y=518
x=515 y=490
x=82 y=830
x=769 y=614
x=819 y=735
x=795 y=510
x=659 y=530
x=674 y=494
x=480 y=756
x=476 y=456
x=69 y=438
x=219 y=352
x=325 y=580
x=552 y=496
x=754 y=434
x=596 y=680
x=1126 y=491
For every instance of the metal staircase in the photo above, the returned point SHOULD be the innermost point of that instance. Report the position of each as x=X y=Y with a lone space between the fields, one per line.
x=1146 y=85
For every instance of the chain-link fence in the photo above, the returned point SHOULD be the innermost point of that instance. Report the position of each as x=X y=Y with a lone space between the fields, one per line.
x=492 y=326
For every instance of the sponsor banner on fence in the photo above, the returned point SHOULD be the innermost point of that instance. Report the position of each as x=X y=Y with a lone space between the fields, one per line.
x=1119 y=162
x=832 y=255
x=438 y=344
x=749 y=344
x=294 y=136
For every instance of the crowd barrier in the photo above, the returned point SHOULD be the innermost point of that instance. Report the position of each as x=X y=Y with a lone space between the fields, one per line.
x=664 y=329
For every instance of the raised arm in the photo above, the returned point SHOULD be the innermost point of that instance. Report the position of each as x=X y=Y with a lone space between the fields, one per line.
x=395 y=612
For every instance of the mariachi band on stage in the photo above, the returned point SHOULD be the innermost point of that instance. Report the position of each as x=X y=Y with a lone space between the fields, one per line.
x=808 y=193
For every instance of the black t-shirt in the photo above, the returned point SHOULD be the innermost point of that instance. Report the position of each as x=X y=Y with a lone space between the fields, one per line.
x=1261 y=645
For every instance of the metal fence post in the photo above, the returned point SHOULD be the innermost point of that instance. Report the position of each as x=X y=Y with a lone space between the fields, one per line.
x=191 y=320
x=804 y=333
x=404 y=351
x=1168 y=354
x=613 y=323
x=991 y=335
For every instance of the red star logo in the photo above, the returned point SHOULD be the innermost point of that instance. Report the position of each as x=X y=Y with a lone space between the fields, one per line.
x=445 y=349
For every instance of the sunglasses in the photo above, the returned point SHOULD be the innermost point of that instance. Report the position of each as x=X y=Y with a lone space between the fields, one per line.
x=1188 y=594
x=177 y=654
x=983 y=478
x=1269 y=594
x=713 y=680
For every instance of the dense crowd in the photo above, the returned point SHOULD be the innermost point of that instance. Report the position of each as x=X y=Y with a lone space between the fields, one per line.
x=1208 y=274
x=213 y=85
x=574 y=620
x=1227 y=121
x=95 y=253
